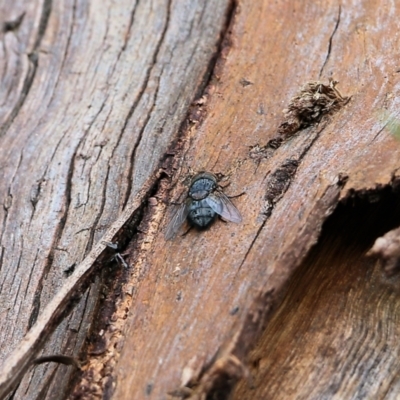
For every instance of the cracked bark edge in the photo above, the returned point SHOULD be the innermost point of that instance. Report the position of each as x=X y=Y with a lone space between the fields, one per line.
x=20 y=359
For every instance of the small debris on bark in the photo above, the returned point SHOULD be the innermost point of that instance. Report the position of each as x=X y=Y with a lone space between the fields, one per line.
x=244 y=82
x=306 y=108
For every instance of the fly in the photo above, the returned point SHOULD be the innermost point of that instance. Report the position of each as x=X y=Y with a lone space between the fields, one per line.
x=204 y=202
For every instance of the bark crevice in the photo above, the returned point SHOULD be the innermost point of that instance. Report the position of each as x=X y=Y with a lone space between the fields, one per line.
x=331 y=41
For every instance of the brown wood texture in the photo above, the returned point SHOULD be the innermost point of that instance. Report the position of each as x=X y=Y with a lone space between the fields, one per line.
x=91 y=96
x=205 y=297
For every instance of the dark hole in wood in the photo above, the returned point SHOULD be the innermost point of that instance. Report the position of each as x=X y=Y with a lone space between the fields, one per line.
x=336 y=331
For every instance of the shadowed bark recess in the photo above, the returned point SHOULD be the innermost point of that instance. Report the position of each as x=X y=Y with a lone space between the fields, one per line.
x=104 y=99
x=336 y=333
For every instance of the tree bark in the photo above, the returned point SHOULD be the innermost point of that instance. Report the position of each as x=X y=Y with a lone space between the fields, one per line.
x=93 y=95
x=100 y=121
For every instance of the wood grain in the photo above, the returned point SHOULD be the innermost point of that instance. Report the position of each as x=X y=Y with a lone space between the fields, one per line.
x=92 y=97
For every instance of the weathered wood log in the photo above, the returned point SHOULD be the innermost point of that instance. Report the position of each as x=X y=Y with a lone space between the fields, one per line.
x=92 y=98
x=193 y=316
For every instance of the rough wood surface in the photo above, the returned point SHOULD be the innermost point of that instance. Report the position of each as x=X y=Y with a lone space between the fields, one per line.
x=91 y=97
x=99 y=90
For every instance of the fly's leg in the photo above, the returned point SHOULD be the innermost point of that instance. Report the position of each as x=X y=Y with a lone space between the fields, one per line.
x=187 y=231
x=117 y=256
x=121 y=261
x=236 y=195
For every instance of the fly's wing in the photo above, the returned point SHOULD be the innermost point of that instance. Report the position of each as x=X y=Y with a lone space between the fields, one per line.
x=221 y=204
x=177 y=220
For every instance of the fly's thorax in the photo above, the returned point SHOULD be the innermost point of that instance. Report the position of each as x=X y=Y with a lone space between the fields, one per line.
x=202 y=185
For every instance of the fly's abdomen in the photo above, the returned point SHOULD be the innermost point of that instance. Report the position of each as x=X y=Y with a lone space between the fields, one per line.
x=200 y=214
